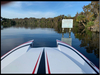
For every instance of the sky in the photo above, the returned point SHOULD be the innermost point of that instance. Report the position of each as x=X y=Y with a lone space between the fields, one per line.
x=41 y=9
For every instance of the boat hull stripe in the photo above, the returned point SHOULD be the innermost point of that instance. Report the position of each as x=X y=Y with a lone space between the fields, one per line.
x=18 y=47
x=36 y=64
x=41 y=68
x=79 y=55
x=48 y=64
x=76 y=50
x=13 y=51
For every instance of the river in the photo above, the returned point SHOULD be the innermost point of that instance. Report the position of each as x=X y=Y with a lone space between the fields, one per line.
x=46 y=37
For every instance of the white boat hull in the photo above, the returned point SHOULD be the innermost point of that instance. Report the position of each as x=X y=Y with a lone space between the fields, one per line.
x=49 y=60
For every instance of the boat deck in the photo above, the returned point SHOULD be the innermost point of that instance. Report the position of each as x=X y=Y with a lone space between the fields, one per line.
x=46 y=60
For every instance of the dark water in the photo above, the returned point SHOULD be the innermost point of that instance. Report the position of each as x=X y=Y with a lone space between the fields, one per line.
x=46 y=37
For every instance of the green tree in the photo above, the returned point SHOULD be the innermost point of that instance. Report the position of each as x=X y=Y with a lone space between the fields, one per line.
x=81 y=19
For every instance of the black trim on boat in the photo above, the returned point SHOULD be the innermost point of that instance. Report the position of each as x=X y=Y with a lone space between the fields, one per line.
x=41 y=68
x=80 y=56
x=14 y=50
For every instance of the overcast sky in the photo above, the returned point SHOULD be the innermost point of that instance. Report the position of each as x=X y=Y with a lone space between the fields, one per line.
x=39 y=9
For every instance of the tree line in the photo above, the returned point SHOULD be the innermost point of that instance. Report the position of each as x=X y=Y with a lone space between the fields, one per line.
x=89 y=17
x=7 y=22
x=37 y=22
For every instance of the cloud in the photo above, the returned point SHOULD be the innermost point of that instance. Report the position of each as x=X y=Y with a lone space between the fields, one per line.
x=34 y=3
x=20 y=14
x=17 y=9
x=17 y=4
x=29 y=4
x=39 y=14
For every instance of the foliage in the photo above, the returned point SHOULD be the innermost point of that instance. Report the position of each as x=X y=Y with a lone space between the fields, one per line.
x=55 y=22
x=90 y=23
x=89 y=16
x=80 y=18
x=7 y=22
x=42 y=22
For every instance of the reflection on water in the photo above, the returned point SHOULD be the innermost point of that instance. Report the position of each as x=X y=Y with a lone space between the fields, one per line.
x=87 y=43
x=91 y=44
x=90 y=41
x=67 y=40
